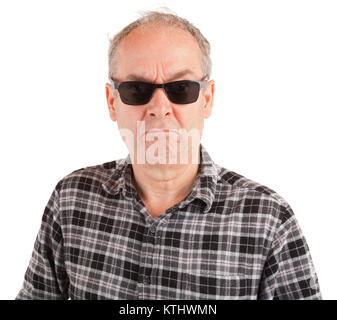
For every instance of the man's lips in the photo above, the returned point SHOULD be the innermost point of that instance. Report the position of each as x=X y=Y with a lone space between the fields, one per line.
x=161 y=131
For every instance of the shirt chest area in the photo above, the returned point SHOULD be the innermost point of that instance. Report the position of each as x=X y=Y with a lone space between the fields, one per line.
x=185 y=256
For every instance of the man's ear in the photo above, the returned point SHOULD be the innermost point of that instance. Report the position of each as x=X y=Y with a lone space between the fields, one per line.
x=208 y=99
x=110 y=98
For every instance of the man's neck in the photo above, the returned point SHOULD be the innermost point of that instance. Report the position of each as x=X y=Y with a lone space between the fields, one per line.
x=162 y=186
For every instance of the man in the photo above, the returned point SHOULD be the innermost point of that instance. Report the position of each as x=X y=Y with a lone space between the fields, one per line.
x=166 y=222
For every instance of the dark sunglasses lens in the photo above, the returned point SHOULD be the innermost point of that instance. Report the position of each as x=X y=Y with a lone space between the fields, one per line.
x=183 y=92
x=135 y=93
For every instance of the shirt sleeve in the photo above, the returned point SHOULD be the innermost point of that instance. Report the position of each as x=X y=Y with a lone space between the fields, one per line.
x=46 y=276
x=289 y=272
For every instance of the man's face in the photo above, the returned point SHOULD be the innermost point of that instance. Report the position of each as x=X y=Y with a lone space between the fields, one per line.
x=159 y=54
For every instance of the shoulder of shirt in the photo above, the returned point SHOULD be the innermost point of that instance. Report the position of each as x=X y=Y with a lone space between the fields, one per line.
x=97 y=173
x=234 y=182
x=227 y=180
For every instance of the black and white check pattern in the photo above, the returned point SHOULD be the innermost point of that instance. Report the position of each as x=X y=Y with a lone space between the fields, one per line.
x=230 y=238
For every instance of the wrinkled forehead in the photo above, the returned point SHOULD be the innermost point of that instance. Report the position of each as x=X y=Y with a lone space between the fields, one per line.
x=155 y=50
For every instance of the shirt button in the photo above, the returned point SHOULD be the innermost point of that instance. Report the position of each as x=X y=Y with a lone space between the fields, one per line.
x=146 y=280
x=153 y=230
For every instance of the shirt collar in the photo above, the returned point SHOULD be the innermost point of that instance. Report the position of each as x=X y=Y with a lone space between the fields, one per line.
x=203 y=187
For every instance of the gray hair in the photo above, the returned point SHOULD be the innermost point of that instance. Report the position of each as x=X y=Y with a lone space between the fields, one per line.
x=169 y=19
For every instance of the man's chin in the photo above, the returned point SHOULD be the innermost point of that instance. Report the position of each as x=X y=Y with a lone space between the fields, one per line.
x=169 y=157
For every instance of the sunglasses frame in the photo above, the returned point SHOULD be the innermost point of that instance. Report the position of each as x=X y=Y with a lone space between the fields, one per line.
x=158 y=85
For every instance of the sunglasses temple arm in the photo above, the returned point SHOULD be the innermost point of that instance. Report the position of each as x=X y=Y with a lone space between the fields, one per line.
x=114 y=84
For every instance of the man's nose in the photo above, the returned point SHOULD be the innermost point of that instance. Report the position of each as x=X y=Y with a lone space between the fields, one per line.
x=159 y=106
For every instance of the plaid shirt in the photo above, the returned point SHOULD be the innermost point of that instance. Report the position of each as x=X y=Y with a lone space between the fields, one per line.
x=230 y=238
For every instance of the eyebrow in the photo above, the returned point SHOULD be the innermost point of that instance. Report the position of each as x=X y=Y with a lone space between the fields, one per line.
x=135 y=77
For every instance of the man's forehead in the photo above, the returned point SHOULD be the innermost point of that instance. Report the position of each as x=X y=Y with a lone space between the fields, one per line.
x=170 y=77
x=149 y=54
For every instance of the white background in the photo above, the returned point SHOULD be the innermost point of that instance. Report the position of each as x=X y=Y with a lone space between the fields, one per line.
x=274 y=118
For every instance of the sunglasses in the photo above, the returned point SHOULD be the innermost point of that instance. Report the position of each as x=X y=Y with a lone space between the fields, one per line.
x=137 y=93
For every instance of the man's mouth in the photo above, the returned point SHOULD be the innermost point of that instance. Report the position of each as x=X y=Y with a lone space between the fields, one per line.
x=161 y=131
